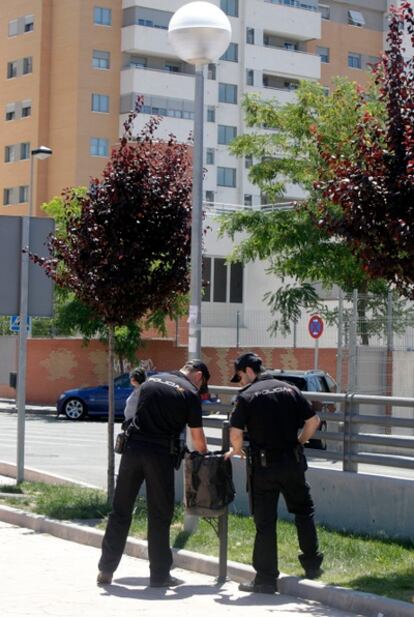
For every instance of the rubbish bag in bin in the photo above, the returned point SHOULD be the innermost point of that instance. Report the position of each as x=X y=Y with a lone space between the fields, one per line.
x=208 y=483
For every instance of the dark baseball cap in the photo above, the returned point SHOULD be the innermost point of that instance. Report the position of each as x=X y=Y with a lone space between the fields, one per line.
x=198 y=365
x=242 y=362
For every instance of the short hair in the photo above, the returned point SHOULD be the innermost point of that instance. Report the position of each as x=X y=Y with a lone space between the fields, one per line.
x=138 y=374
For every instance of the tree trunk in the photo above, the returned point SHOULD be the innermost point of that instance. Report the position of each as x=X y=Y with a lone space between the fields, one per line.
x=111 y=416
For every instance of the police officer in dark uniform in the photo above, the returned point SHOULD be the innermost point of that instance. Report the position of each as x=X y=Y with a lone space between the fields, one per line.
x=167 y=403
x=278 y=420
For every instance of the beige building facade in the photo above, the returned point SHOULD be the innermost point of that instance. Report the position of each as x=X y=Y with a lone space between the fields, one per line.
x=70 y=70
x=59 y=87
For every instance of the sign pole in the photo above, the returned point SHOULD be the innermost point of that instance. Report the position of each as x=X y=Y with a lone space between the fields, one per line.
x=21 y=374
x=316 y=354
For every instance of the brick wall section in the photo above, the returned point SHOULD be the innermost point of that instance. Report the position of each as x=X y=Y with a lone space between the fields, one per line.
x=55 y=365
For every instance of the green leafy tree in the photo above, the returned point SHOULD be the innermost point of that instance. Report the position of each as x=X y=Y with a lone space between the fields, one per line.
x=300 y=252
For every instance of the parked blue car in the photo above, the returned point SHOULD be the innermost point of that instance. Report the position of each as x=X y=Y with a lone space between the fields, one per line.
x=78 y=403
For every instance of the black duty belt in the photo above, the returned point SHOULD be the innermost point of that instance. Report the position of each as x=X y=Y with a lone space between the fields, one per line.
x=264 y=457
x=159 y=440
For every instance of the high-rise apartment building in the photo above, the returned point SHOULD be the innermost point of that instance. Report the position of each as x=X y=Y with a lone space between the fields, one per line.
x=72 y=69
x=59 y=87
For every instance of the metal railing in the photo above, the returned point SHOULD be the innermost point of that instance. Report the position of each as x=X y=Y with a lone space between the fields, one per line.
x=348 y=419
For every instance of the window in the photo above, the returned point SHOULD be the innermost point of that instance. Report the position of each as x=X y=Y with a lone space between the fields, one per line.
x=24 y=151
x=222 y=282
x=354 y=60
x=226 y=176
x=27 y=65
x=99 y=146
x=211 y=71
x=355 y=18
x=29 y=23
x=100 y=102
x=23 y=194
x=210 y=197
x=323 y=53
x=13 y=27
x=326 y=90
x=101 y=59
x=26 y=109
x=249 y=77
x=211 y=114
x=102 y=16
x=226 y=134
x=248 y=161
x=7 y=197
x=9 y=154
x=290 y=46
x=236 y=283
x=172 y=67
x=230 y=7
x=227 y=93
x=138 y=62
x=10 y=112
x=248 y=200
x=325 y=11
x=12 y=69
x=232 y=53
x=210 y=156
x=250 y=36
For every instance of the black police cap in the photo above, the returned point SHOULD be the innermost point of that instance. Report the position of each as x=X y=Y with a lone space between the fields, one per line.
x=198 y=365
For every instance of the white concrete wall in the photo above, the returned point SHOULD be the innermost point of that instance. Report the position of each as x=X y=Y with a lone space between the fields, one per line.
x=351 y=502
x=403 y=385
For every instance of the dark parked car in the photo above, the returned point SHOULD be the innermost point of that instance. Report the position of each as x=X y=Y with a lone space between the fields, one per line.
x=78 y=403
x=312 y=381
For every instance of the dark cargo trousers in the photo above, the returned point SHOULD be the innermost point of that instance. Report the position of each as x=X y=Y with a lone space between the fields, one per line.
x=268 y=483
x=154 y=464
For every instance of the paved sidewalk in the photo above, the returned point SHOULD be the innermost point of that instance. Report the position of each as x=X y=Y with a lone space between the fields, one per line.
x=44 y=576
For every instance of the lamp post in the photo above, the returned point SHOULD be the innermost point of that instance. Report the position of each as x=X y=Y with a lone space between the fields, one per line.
x=200 y=33
x=42 y=152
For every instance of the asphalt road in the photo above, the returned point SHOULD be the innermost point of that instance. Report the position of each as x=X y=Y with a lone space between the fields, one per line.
x=78 y=450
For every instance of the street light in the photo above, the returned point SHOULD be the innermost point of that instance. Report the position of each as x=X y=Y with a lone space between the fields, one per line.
x=200 y=33
x=41 y=153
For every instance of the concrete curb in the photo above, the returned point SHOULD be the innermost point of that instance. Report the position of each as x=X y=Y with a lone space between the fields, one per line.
x=369 y=605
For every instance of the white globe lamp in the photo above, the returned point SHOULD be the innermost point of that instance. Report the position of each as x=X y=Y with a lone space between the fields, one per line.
x=199 y=32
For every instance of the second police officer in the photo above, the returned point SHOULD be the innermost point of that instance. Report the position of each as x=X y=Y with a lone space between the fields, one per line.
x=278 y=420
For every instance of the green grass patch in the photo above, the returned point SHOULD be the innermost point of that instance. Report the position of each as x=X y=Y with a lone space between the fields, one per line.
x=376 y=565
x=11 y=488
x=62 y=502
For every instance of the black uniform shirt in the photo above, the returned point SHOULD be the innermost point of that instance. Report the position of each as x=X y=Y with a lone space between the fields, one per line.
x=272 y=411
x=167 y=402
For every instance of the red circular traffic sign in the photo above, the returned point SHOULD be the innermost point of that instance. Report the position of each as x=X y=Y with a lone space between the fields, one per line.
x=315 y=326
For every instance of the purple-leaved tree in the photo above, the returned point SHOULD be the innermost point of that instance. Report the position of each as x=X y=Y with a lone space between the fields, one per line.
x=128 y=252
x=374 y=193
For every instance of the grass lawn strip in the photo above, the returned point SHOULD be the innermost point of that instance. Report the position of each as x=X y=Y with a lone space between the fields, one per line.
x=375 y=565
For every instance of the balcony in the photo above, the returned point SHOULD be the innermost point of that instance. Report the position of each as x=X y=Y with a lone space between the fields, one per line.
x=157 y=82
x=147 y=41
x=283 y=62
x=294 y=21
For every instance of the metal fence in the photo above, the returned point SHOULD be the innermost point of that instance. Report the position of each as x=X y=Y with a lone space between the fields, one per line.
x=352 y=438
